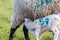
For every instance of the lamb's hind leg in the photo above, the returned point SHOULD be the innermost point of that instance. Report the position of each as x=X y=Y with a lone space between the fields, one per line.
x=59 y=36
x=15 y=22
x=56 y=34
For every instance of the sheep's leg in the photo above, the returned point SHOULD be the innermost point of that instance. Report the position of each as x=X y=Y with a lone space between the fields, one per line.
x=25 y=30
x=15 y=22
x=12 y=31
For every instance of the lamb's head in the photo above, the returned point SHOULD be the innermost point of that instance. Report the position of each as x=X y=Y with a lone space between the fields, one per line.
x=27 y=20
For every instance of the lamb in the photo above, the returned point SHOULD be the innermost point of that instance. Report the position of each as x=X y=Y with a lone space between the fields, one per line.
x=39 y=26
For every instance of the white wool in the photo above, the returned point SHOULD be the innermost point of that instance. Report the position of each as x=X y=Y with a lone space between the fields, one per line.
x=53 y=25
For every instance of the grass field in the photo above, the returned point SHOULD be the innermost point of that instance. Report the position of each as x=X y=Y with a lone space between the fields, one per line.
x=6 y=10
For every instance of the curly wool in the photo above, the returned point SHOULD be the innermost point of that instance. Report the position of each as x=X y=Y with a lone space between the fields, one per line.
x=25 y=9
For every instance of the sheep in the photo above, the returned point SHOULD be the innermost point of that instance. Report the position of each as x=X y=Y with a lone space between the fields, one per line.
x=41 y=25
x=31 y=9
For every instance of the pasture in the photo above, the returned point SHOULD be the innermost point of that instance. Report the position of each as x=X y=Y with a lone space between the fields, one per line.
x=6 y=10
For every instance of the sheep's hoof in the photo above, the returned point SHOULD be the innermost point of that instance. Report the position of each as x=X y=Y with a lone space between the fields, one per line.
x=27 y=39
x=11 y=38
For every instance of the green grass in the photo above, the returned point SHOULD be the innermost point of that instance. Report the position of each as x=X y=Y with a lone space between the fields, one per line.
x=6 y=10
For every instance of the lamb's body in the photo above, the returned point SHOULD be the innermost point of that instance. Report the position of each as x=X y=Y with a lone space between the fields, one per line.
x=25 y=9
x=51 y=22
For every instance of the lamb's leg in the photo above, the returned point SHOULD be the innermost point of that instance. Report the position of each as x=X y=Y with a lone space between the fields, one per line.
x=37 y=31
x=59 y=33
x=59 y=36
x=56 y=36
x=15 y=22
x=56 y=32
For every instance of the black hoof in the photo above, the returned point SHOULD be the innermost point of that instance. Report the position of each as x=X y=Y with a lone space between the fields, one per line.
x=11 y=38
x=27 y=39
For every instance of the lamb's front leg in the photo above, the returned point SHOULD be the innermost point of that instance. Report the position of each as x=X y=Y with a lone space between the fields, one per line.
x=37 y=31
